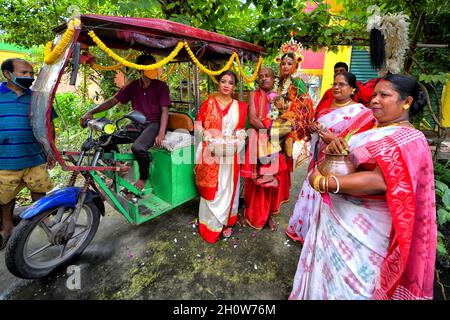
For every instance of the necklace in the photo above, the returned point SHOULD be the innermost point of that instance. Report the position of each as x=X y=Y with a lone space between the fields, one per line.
x=286 y=84
x=334 y=103
x=224 y=103
x=393 y=124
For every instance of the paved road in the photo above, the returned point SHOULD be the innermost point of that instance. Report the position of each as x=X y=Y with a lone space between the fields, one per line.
x=165 y=258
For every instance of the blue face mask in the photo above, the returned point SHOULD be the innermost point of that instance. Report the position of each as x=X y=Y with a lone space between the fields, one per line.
x=23 y=82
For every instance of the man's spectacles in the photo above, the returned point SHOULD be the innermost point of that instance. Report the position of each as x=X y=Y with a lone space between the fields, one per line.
x=340 y=85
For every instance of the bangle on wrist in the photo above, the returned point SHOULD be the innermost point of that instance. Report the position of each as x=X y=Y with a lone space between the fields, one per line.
x=337 y=184
x=320 y=184
x=316 y=183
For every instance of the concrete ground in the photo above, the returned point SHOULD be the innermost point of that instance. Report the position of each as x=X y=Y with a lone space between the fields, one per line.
x=165 y=258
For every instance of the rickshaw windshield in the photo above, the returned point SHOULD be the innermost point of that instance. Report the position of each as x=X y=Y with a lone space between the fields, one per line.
x=43 y=89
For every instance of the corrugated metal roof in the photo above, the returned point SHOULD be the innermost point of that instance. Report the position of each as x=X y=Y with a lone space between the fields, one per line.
x=360 y=65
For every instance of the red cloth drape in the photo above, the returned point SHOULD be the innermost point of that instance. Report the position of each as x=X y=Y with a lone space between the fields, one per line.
x=408 y=270
x=261 y=201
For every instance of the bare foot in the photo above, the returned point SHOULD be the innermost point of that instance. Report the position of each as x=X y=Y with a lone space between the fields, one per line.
x=140 y=184
x=227 y=232
x=273 y=224
x=241 y=221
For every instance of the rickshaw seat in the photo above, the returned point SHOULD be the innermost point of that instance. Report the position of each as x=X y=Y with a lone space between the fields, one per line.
x=180 y=128
x=179 y=120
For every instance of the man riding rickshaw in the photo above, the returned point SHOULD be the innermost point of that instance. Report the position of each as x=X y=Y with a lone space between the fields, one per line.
x=58 y=227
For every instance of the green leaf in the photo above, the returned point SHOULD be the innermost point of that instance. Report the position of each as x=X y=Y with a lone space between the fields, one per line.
x=441 y=77
x=350 y=134
x=446 y=198
x=443 y=216
x=442 y=251
x=441 y=186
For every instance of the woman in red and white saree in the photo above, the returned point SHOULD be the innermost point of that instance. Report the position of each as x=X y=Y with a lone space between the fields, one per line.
x=339 y=115
x=217 y=177
x=374 y=234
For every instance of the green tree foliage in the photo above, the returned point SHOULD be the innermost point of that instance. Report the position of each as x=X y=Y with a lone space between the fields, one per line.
x=264 y=22
x=267 y=23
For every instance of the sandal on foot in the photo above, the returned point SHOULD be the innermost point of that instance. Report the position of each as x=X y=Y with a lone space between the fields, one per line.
x=140 y=185
x=130 y=196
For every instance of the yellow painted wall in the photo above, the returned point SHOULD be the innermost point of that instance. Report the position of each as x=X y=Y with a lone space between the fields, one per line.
x=9 y=54
x=343 y=54
x=446 y=105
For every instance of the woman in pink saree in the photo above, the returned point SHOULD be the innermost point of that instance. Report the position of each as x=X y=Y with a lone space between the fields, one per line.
x=374 y=234
x=339 y=115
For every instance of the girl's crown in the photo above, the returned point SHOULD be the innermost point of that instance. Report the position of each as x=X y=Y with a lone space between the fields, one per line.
x=293 y=47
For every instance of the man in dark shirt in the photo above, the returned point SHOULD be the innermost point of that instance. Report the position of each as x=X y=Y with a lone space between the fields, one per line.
x=150 y=97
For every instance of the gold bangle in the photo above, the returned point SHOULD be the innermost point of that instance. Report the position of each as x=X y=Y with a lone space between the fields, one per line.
x=316 y=183
x=322 y=184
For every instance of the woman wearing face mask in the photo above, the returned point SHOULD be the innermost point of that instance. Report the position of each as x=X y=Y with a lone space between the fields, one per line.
x=221 y=120
x=333 y=117
x=375 y=237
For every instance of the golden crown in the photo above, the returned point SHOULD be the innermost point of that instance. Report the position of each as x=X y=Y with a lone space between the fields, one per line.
x=292 y=46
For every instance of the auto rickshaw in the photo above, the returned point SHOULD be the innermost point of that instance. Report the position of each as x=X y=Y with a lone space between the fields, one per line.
x=58 y=227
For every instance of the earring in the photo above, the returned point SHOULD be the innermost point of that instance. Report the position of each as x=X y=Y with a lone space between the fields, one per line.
x=406 y=106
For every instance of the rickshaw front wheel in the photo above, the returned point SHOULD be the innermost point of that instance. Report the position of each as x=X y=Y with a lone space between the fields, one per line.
x=32 y=251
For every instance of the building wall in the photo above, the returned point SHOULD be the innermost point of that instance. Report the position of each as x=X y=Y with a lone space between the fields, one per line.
x=10 y=54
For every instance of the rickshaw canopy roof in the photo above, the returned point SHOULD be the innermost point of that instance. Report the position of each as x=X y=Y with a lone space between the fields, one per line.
x=161 y=36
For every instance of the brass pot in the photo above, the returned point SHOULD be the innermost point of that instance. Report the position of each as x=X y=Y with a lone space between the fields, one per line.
x=336 y=165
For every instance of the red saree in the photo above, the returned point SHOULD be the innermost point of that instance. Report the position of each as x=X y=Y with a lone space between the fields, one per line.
x=217 y=206
x=408 y=270
x=262 y=201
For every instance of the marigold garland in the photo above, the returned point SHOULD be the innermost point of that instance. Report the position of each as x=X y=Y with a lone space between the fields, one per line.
x=214 y=79
x=50 y=56
x=113 y=67
x=255 y=73
x=172 y=55
x=121 y=60
x=203 y=68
